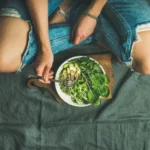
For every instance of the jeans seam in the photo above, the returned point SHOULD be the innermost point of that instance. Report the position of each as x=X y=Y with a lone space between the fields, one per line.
x=125 y=25
x=59 y=40
x=28 y=44
x=31 y=55
x=113 y=41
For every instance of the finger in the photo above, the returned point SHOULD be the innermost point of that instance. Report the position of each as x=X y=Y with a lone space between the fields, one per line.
x=77 y=39
x=45 y=82
x=83 y=38
x=51 y=72
x=46 y=73
x=39 y=70
x=50 y=76
x=73 y=35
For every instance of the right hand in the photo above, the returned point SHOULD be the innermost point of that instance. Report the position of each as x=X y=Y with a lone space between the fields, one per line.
x=80 y=31
x=43 y=65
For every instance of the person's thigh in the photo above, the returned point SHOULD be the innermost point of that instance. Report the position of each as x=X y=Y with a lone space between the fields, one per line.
x=141 y=53
x=18 y=46
x=13 y=39
x=127 y=17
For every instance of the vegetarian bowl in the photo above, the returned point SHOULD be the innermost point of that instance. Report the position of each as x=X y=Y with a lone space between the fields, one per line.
x=90 y=81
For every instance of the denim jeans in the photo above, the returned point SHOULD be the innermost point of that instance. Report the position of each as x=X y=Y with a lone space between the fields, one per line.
x=117 y=27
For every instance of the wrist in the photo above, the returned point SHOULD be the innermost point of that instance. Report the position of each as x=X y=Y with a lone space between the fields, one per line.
x=90 y=15
x=43 y=41
x=96 y=7
x=93 y=11
x=44 y=47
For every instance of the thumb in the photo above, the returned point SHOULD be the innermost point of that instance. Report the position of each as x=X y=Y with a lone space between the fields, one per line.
x=77 y=39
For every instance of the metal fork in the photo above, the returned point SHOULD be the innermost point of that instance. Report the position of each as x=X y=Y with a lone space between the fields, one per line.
x=66 y=83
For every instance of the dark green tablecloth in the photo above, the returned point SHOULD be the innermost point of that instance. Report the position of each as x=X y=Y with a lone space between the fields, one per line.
x=30 y=119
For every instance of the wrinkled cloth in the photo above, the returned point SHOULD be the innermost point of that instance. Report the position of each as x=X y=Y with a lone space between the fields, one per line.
x=30 y=119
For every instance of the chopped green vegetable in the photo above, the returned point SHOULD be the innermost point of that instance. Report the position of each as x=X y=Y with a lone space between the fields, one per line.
x=90 y=81
x=98 y=102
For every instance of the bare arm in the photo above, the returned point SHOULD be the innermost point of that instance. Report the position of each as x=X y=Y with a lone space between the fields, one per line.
x=39 y=13
x=80 y=31
x=96 y=7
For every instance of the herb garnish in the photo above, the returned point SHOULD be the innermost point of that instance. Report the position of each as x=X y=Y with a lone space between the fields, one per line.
x=90 y=81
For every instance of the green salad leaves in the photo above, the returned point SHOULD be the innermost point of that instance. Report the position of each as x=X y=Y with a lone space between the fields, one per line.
x=90 y=81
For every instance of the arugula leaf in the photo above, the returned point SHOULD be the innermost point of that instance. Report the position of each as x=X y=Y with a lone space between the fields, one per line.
x=98 y=102
x=90 y=84
x=104 y=91
x=91 y=97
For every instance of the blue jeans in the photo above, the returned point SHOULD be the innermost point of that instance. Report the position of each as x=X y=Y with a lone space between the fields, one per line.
x=116 y=28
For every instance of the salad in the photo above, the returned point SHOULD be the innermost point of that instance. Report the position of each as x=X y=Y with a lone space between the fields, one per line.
x=90 y=82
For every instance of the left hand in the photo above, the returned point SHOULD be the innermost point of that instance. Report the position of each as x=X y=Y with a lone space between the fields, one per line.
x=83 y=28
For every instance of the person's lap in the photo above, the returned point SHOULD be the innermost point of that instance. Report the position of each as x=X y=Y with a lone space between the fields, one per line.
x=14 y=13
x=124 y=17
x=59 y=33
x=116 y=29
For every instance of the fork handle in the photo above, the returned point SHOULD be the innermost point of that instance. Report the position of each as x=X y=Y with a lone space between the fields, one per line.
x=40 y=77
x=53 y=80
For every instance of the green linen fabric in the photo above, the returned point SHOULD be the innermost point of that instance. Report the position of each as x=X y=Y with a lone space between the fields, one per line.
x=30 y=119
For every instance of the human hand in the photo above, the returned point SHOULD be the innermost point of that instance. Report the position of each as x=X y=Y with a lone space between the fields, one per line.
x=83 y=28
x=43 y=65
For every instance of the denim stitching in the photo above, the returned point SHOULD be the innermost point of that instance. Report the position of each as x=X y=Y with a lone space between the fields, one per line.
x=31 y=56
x=113 y=41
x=105 y=31
x=59 y=40
x=28 y=43
x=124 y=23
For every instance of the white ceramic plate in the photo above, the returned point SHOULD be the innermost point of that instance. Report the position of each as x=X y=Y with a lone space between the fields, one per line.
x=64 y=96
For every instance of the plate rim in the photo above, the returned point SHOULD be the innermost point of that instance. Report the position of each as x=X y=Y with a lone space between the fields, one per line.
x=57 y=86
